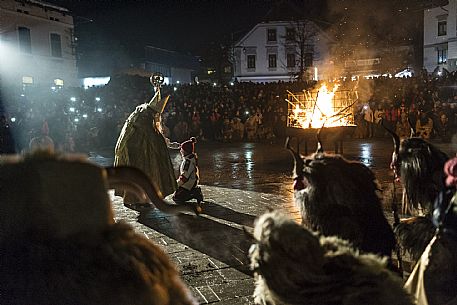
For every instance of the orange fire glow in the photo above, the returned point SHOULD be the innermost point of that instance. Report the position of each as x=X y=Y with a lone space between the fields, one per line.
x=317 y=111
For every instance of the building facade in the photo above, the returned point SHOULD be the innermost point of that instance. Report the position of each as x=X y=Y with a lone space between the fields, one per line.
x=281 y=51
x=440 y=37
x=37 y=44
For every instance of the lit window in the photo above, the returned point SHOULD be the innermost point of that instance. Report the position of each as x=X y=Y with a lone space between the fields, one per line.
x=25 y=41
x=251 y=61
x=442 y=28
x=442 y=56
x=271 y=35
x=271 y=60
x=27 y=80
x=56 y=45
x=58 y=82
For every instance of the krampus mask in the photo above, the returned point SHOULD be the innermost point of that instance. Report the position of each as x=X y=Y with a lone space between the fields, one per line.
x=338 y=197
x=60 y=244
x=295 y=266
x=419 y=166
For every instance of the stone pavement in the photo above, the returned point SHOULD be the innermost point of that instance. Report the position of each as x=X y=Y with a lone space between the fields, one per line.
x=211 y=249
x=239 y=181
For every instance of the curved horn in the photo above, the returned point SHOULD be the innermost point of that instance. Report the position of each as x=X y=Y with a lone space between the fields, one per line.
x=319 y=149
x=135 y=181
x=298 y=161
x=395 y=137
x=413 y=133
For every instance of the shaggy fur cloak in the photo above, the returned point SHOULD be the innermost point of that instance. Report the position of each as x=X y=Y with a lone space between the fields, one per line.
x=340 y=198
x=115 y=266
x=294 y=266
x=143 y=146
x=420 y=165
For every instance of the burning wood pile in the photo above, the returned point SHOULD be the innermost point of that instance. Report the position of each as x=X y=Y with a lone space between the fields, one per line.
x=321 y=107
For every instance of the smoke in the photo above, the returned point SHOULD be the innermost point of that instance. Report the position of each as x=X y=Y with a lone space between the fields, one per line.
x=369 y=30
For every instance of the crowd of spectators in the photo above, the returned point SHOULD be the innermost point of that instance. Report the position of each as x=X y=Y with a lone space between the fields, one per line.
x=78 y=119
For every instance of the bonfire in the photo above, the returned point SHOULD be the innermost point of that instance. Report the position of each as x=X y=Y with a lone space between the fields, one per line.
x=321 y=107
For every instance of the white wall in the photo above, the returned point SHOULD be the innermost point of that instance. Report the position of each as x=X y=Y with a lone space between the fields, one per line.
x=433 y=42
x=39 y=64
x=255 y=43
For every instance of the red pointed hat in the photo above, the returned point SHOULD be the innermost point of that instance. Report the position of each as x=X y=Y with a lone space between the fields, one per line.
x=189 y=145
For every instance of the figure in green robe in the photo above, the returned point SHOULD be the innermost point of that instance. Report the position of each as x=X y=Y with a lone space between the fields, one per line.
x=141 y=144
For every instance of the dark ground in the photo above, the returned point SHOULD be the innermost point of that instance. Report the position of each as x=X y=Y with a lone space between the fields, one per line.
x=239 y=181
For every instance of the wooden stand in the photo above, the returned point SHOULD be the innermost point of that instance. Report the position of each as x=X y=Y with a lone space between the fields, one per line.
x=334 y=135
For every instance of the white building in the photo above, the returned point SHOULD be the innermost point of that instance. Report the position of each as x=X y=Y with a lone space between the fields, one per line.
x=36 y=44
x=440 y=37
x=270 y=52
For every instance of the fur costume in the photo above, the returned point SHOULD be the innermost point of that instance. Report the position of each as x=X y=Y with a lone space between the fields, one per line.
x=434 y=278
x=142 y=145
x=338 y=197
x=295 y=266
x=113 y=266
x=419 y=166
x=60 y=244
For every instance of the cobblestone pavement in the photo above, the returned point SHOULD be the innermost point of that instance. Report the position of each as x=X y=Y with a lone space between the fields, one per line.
x=211 y=249
x=239 y=182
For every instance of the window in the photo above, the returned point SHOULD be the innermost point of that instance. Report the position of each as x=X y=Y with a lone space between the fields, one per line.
x=442 y=28
x=27 y=80
x=25 y=42
x=271 y=35
x=308 y=59
x=442 y=56
x=290 y=60
x=251 y=61
x=271 y=60
x=290 y=34
x=56 y=46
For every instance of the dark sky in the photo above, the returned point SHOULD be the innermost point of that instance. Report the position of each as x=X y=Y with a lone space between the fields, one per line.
x=120 y=27
x=184 y=25
x=187 y=25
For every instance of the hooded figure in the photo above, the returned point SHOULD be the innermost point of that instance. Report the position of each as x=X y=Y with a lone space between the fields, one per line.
x=188 y=174
x=43 y=141
x=141 y=144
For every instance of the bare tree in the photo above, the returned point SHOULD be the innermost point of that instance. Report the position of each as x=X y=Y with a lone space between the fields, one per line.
x=299 y=43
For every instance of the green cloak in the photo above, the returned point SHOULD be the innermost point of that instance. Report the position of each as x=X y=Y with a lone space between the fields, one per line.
x=143 y=146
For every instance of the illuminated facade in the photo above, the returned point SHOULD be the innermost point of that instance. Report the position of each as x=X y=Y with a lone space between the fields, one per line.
x=279 y=51
x=440 y=37
x=37 y=44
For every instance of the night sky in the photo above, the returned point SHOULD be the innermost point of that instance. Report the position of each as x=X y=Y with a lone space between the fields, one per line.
x=171 y=24
x=122 y=28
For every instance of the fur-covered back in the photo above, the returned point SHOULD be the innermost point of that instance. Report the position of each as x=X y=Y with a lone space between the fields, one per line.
x=340 y=198
x=414 y=234
x=420 y=165
x=294 y=266
x=421 y=171
x=115 y=266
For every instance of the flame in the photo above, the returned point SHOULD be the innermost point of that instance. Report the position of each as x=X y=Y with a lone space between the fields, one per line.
x=319 y=111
